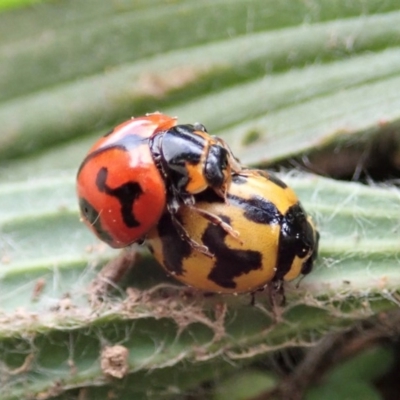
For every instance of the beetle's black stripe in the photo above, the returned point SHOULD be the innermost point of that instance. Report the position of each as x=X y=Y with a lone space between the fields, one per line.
x=241 y=179
x=229 y=263
x=92 y=216
x=127 y=143
x=296 y=239
x=273 y=178
x=126 y=194
x=308 y=265
x=257 y=209
x=174 y=248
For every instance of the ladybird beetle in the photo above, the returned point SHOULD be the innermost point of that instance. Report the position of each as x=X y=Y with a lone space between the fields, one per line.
x=143 y=166
x=279 y=240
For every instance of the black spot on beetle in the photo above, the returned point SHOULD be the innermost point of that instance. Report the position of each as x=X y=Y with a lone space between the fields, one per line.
x=175 y=249
x=126 y=143
x=308 y=265
x=126 y=194
x=296 y=239
x=229 y=263
x=257 y=209
x=93 y=217
x=273 y=178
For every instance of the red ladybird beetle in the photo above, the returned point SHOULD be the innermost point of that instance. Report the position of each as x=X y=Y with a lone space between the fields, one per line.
x=145 y=165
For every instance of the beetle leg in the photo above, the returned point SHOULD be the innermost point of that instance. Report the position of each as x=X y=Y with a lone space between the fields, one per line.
x=173 y=204
x=222 y=192
x=184 y=234
x=188 y=200
x=276 y=298
x=214 y=219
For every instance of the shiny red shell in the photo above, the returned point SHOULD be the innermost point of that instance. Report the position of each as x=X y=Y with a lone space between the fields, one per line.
x=121 y=192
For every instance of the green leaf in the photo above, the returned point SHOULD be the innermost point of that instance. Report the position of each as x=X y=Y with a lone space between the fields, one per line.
x=244 y=385
x=354 y=378
x=354 y=390
x=367 y=366
x=135 y=87
x=7 y=4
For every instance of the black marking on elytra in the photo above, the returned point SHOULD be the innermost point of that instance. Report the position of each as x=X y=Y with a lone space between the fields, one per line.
x=308 y=265
x=296 y=239
x=126 y=194
x=257 y=209
x=92 y=216
x=229 y=263
x=273 y=178
x=126 y=143
x=174 y=248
